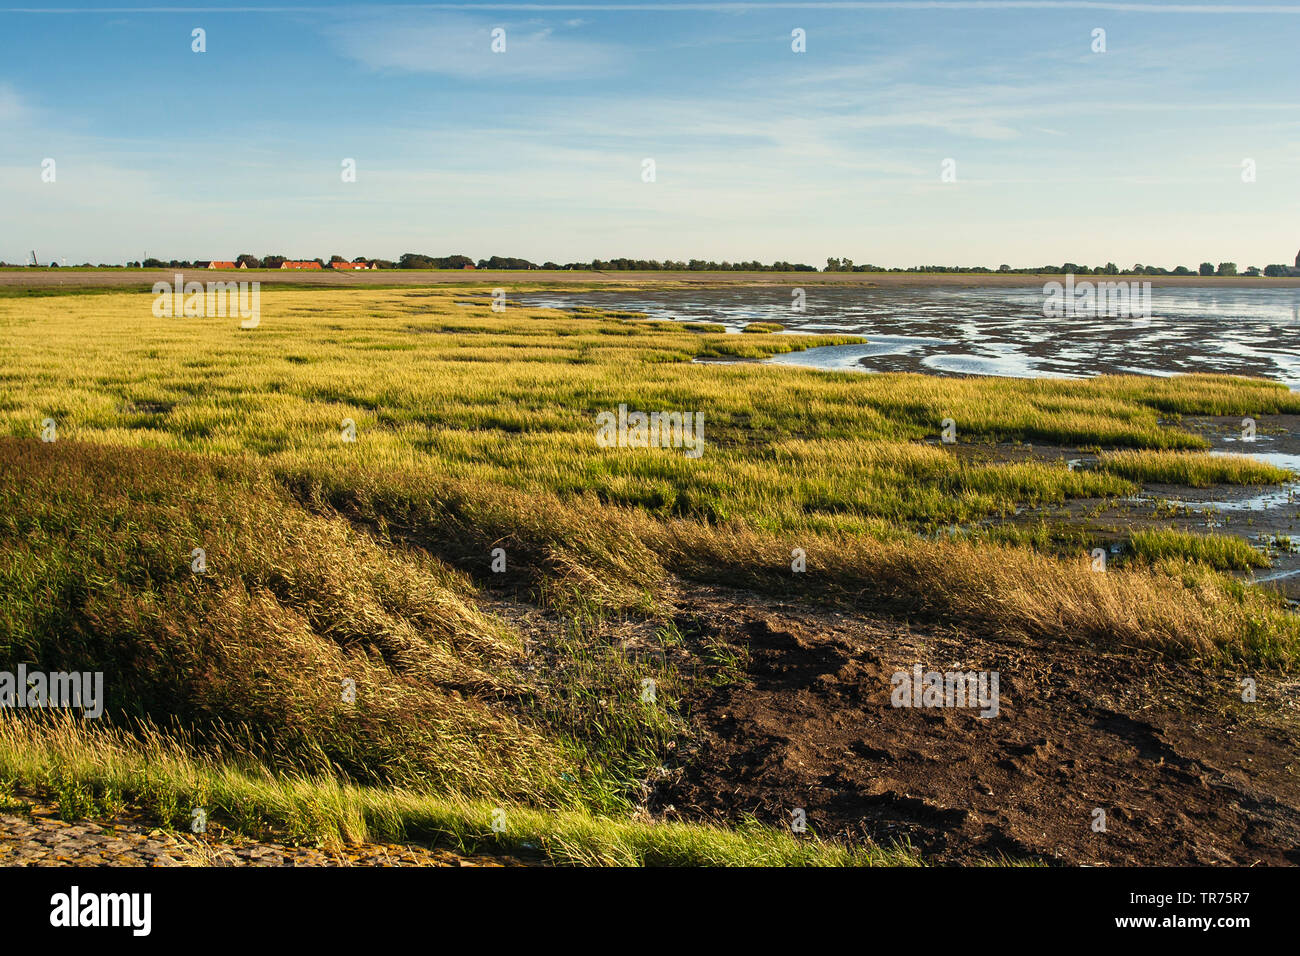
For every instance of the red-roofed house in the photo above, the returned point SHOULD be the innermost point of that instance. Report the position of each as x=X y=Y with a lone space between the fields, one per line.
x=222 y=265
x=350 y=265
x=289 y=264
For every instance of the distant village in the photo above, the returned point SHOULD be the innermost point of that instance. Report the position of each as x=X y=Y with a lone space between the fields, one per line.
x=304 y=264
x=414 y=260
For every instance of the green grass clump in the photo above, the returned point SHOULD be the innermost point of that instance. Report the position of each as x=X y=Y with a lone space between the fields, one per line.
x=1191 y=469
x=764 y=327
x=1217 y=551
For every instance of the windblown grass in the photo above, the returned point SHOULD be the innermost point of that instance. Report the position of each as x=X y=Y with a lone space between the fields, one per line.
x=96 y=565
x=582 y=547
x=98 y=770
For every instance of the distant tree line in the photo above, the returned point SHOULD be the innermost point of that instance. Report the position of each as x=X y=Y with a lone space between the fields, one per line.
x=415 y=260
x=412 y=260
x=692 y=265
x=1068 y=268
x=251 y=261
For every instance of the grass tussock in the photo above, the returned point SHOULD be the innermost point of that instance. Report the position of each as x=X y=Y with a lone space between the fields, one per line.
x=1154 y=545
x=1191 y=469
x=572 y=554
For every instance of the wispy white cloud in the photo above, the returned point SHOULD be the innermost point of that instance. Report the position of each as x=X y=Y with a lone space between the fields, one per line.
x=12 y=106
x=460 y=46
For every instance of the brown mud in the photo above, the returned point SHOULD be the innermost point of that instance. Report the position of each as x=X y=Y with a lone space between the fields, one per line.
x=1184 y=770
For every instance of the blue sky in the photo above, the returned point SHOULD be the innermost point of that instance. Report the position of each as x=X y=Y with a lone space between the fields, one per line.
x=1132 y=155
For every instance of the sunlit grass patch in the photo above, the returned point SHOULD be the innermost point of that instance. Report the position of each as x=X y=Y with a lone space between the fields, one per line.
x=96 y=771
x=1191 y=469
x=1218 y=551
x=511 y=398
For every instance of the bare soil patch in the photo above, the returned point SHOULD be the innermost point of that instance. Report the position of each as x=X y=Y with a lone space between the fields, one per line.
x=1186 y=772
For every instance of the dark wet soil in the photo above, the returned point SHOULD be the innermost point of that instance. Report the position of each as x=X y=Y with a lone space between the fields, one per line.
x=1185 y=771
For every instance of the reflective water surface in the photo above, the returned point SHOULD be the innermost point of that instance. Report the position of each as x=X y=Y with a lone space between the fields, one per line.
x=998 y=331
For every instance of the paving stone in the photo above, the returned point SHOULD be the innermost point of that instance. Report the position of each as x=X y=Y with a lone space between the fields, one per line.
x=41 y=838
